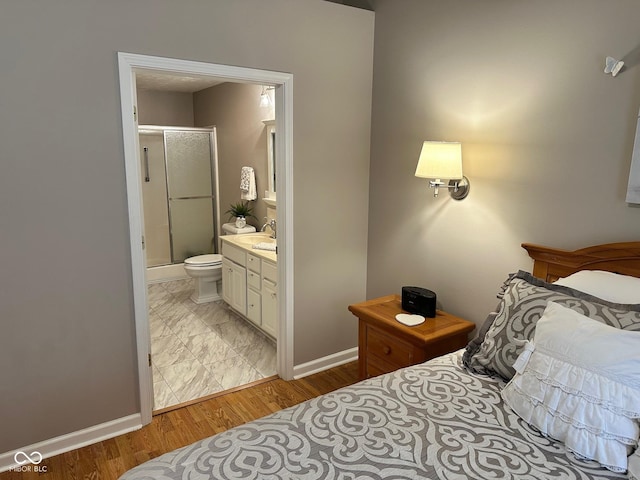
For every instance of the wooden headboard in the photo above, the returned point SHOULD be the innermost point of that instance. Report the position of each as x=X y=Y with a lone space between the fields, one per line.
x=550 y=264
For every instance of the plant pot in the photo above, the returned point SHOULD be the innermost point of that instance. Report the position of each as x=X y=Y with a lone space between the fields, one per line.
x=241 y=222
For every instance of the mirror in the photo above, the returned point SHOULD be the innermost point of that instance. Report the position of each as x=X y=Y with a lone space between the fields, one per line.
x=270 y=125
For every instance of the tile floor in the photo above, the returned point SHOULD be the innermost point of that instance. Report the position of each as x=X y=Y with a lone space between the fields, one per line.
x=202 y=349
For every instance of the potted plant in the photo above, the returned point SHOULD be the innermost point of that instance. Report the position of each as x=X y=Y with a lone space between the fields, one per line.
x=240 y=211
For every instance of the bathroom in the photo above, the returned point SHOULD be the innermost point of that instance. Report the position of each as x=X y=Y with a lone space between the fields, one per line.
x=238 y=120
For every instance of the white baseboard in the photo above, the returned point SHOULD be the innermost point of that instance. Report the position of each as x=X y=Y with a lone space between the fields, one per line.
x=70 y=441
x=120 y=426
x=166 y=273
x=325 y=363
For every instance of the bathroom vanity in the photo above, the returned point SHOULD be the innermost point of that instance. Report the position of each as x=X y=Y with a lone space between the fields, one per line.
x=250 y=279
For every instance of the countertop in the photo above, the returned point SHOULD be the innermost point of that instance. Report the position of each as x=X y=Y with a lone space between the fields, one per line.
x=240 y=241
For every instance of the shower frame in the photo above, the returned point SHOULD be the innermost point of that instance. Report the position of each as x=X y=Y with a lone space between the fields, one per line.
x=215 y=183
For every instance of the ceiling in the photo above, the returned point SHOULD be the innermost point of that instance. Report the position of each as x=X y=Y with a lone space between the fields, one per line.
x=168 y=82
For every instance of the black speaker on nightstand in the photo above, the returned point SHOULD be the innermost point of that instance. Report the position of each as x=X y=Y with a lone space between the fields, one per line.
x=419 y=301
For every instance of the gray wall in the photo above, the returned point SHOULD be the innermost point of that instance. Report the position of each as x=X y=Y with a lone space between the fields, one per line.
x=547 y=138
x=165 y=108
x=242 y=141
x=67 y=346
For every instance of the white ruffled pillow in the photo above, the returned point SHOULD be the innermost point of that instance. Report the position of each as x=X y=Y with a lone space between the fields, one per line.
x=609 y=286
x=578 y=381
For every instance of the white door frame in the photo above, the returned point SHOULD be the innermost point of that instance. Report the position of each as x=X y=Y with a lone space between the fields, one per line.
x=128 y=63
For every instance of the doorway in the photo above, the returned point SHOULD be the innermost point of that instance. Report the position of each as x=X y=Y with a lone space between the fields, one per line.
x=129 y=64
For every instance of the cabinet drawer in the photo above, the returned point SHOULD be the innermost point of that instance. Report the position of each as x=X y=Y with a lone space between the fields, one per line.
x=253 y=263
x=270 y=271
x=390 y=349
x=253 y=280
x=234 y=253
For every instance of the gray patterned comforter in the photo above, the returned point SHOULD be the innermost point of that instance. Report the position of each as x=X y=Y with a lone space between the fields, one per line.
x=430 y=421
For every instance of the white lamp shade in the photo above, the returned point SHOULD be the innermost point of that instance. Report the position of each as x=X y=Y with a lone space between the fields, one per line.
x=440 y=160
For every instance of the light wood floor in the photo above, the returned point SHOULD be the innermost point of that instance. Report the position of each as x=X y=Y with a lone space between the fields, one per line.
x=111 y=458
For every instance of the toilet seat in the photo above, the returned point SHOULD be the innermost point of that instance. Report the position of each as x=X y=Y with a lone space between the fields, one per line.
x=210 y=260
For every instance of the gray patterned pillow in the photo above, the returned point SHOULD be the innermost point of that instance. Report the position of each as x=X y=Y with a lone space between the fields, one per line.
x=501 y=338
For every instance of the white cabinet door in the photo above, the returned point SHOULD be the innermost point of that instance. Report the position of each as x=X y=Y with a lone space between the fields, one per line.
x=254 y=306
x=270 y=307
x=227 y=283
x=234 y=285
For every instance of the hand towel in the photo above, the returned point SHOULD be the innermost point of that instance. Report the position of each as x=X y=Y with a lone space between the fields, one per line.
x=248 y=184
x=265 y=246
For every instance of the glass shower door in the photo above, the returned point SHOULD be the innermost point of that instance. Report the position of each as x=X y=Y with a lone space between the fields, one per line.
x=154 y=199
x=189 y=188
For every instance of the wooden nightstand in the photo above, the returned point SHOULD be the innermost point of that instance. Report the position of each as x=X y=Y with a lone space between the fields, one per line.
x=384 y=344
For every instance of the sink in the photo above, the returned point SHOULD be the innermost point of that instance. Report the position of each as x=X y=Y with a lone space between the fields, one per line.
x=250 y=239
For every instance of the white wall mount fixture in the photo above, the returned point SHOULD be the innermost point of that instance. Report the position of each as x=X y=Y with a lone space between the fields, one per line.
x=265 y=98
x=613 y=66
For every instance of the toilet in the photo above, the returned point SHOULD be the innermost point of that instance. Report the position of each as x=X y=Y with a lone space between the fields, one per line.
x=206 y=270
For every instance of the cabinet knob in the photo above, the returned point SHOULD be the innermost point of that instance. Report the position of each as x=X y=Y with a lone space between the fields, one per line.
x=386 y=350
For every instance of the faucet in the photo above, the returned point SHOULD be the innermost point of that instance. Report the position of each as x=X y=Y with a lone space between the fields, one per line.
x=272 y=225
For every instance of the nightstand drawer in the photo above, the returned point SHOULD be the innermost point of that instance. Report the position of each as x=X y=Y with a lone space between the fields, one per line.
x=388 y=348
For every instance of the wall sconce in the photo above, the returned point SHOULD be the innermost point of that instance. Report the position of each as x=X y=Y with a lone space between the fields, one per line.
x=440 y=160
x=265 y=98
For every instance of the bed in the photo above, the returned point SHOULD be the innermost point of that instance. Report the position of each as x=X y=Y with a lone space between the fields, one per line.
x=453 y=417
